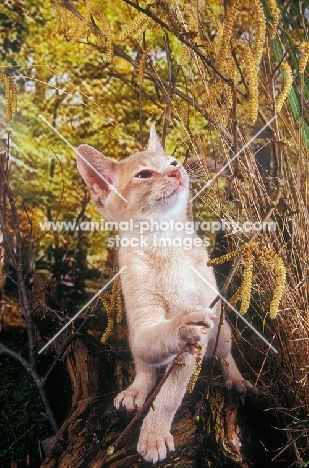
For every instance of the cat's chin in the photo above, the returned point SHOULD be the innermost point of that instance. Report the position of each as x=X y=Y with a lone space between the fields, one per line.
x=172 y=194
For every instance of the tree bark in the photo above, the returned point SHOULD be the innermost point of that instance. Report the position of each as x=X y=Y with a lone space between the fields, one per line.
x=231 y=430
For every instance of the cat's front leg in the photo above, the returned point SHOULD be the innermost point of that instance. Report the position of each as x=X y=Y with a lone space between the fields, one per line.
x=158 y=343
x=135 y=395
x=155 y=438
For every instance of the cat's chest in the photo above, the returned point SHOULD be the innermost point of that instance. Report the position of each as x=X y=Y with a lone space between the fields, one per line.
x=176 y=278
x=180 y=282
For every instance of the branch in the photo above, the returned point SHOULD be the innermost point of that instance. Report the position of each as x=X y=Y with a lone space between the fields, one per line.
x=18 y=263
x=164 y=85
x=182 y=38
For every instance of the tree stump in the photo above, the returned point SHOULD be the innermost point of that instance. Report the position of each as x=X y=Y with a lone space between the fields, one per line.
x=226 y=433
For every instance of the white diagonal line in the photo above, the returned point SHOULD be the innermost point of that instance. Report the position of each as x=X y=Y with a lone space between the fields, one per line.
x=83 y=308
x=231 y=160
x=235 y=310
x=82 y=157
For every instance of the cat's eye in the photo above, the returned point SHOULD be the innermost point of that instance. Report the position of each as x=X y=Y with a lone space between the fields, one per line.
x=174 y=163
x=144 y=174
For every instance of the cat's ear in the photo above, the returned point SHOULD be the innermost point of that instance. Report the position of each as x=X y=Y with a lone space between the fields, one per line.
x=154 y=144
x=96 y=169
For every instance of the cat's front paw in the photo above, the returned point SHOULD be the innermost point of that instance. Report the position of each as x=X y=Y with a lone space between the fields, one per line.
x=196 y=325
x=155 y=440
x=132 y=398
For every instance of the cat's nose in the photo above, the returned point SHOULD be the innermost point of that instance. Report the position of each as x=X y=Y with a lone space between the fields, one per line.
x=175 y=173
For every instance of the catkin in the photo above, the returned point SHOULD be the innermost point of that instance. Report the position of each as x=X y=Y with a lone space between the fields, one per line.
x=10 y=95
x=182 y=114
x=268 y=257
x=279 y=288
x=287 y=86
x=304 y=47
x=236 y=297
x=253 y=86
x=275 y=262
x=184 y=55
x=107 y=34
x=219 y=36
x=223 y=51
x=246 y=283
x=136 y=27
x=81 y=25
x=260 y=22
x=198 y=366
x=61 y=17
x=275 y=14
x=142 y=66
x=193 y=26
x=113 y=306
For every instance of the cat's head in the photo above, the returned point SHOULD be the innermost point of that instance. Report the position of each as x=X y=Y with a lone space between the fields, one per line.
x=146 y=185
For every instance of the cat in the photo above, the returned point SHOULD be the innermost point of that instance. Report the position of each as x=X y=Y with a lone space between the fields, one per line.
x=167 y=303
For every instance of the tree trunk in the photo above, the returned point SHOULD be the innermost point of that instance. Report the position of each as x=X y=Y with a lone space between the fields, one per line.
x=231 y=431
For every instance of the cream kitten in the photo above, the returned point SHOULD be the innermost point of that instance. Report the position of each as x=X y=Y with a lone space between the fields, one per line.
x=166 y=302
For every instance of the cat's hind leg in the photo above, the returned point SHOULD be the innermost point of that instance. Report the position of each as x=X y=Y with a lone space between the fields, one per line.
x=135 y=395
x=231 y=375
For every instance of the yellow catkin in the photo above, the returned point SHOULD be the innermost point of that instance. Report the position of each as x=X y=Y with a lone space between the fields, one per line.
x=109 y=330
x=252 y=59
x=304 y=48
x=106 y=42
x=118 y=304
x=279 y=288
x=274 y=261
x=236 y=297
x=198 y=366
x=219 y=36
x=193 y=26
x=184 y=55
x=271 y=259
x=113 y=305
x=260 y=24
x=142 y=66
x=81 y=25
x=224 y=49
x=225 y=258
x=287 y=86
x=246 y=283
x=136 y=27
x=61 y=17
x=275 y=14
x=10 y=95
x=253 y=87
x=251 y=62
x=181 y=111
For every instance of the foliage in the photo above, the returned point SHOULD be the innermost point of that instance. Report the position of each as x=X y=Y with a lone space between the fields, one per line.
x=210 y=74
x=22 y=421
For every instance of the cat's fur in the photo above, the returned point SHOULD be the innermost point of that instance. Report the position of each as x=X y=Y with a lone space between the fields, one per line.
x=166 y=302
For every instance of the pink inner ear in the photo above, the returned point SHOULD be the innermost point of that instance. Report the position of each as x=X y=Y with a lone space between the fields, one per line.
x=95 y=168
